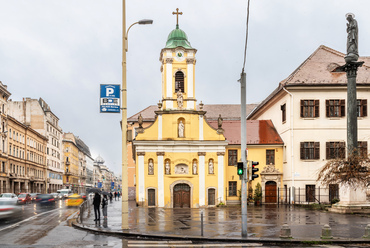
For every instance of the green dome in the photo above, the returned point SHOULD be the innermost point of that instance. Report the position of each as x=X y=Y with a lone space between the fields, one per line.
x=177 y=38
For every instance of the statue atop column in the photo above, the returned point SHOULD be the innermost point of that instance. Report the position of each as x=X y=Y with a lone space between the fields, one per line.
x=352 y=39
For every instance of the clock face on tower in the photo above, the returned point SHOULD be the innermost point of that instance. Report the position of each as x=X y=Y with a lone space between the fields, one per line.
x=179 y=55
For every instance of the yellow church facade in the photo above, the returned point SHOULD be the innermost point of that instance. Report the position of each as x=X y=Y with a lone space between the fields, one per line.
x=183 y=158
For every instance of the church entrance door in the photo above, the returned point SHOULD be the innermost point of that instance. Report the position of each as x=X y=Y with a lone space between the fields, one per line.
x=151 y=197
x=211 y=196
x=270 y=189
x=181 y=196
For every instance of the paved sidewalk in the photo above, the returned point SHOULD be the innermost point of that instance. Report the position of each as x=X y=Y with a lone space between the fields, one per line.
x=224 y=224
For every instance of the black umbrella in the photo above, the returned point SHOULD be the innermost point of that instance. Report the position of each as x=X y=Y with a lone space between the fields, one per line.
x=105 y=193
x=94 y=190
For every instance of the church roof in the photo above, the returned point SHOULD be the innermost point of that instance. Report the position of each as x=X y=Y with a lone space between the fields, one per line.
x=227 y=111
x=178 y=38
x=259 y=132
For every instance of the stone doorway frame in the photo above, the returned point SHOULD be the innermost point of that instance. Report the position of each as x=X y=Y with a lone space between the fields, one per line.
x=270 y=173
x=182 y=182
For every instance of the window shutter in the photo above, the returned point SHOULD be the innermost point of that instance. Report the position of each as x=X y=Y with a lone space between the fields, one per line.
x=342 y=150
x=317 y=109
x=327 y=108
x=317 y=150
x=301 y=108
x=364 y=107
x=302 y=150
x=327 y=150
x=343 y=107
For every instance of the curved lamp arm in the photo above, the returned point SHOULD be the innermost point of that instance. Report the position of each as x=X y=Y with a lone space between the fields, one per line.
x=141 y=22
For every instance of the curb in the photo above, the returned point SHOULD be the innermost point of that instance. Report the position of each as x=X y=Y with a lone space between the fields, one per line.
x=197 y=239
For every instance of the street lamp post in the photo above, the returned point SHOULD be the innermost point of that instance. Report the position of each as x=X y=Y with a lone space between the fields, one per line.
x=124 y=115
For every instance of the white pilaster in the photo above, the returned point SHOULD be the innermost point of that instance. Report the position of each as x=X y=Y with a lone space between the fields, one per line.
x=202 y=181
x=190 y=77
x=201 y=127
x=141 y=178
x=159 y=127
x=220 y=174
x=169 y=104
x=160 y=182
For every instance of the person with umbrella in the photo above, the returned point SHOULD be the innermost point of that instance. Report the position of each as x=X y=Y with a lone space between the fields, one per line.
x=105 y=206
x=96 y=203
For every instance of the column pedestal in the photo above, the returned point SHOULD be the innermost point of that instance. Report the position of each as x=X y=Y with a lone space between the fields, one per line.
x=351 y=201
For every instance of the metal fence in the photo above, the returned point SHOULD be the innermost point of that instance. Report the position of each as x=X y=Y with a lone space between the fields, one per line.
x=84 y=210
x=307 y=195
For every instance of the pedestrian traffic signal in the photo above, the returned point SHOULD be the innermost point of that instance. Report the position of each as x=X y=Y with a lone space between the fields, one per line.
x=254 y=169
x=240 y=170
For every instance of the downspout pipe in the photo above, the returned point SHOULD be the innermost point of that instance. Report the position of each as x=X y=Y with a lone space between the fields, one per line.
x=291 y=143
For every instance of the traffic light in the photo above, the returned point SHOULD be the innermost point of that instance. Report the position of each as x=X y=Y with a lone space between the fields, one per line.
x=240 y=170
x=254 y=169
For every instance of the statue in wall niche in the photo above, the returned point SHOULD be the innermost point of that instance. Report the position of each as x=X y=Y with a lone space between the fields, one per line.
x=151 y=167
x=210 y=167
x=195 y=168
x=181 y=129
x=180 y=99
x=167 y=168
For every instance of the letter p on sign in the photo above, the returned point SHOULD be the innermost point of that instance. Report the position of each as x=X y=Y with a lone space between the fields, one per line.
x=110 y=91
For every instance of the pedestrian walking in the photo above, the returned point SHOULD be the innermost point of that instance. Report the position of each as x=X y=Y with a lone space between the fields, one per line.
x=110 y=197
x=118 y=194
x=105 y=206
x=96 y=203
x=115 y=195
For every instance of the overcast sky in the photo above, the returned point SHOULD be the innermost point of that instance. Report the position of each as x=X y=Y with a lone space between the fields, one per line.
x=63 y=50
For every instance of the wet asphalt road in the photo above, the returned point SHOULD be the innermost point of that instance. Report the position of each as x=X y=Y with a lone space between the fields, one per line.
x=51 y=227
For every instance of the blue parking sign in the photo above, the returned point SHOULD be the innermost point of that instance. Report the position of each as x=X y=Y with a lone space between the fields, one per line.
x=110 y=98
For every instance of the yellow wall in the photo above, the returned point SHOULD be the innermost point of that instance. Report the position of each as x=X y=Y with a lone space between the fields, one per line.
x=255 y=153
x=170 y=129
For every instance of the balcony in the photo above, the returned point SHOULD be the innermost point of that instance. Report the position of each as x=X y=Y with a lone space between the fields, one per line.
x=68 y=173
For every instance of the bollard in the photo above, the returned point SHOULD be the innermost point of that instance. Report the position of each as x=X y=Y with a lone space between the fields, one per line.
x=285 y=232
x=326 y=232
x=367 y=232
x=201 y=223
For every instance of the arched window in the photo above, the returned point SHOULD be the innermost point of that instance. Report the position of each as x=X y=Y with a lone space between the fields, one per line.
x=179 y=81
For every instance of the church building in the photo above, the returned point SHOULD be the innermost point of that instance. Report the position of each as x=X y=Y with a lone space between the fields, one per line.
x=181 y=157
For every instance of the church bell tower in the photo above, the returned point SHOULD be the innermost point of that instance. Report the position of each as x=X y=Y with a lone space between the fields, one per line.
x=178 y=71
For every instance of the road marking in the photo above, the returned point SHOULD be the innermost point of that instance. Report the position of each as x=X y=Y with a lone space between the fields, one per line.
x=28 y=219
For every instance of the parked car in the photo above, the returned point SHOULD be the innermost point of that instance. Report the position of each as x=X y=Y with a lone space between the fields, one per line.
x=45 y=199
x=74 y=200
x=57 y=196
x=8 y=195
x=34 y=195
x=24 y=198
x=8 y=207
